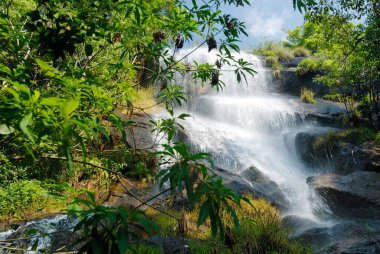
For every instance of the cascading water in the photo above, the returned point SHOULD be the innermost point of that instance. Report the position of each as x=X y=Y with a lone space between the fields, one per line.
x=245 y=125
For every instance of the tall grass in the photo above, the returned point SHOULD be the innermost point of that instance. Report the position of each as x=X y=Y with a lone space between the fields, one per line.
x=307 y=95
x=261 y=231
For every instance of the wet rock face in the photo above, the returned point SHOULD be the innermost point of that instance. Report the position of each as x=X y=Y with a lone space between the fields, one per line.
x=253 y=181
x=355 y=195
x=349 y=237
x=343 y=158
x=304 y=145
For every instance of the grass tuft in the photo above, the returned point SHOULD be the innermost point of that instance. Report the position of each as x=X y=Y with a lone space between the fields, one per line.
x=307 y=95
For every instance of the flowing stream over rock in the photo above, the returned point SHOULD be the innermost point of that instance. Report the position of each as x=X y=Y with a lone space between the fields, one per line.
x=249 y=130
x=246 y=125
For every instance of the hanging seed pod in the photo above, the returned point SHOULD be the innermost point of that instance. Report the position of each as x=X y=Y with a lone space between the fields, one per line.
x=189 y=67
x=231 y=25
x=183 y=225
x=179 y=42
x=230 y=238
x=159 y=36
x=116 y=37
x=214 y=77
x=218 y=64
x=211 y=43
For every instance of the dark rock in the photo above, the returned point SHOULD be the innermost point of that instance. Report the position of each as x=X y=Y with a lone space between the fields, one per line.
x=292 y=62
x=297 y=223
x=355 y=195
x=347 y=158
x=170 y=245
x=253 y=181
x=291 y=83
x=304 y=142
x=349 y=237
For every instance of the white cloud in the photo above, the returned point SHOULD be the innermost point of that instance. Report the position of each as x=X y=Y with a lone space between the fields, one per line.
x=265 y=25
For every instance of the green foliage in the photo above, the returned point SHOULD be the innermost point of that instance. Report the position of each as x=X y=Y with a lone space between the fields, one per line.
x=22 y=196
x=311 y=65
x=301 y=52
x=307 y=95
x=187 y=171
x=271 y=49
x=109 y=229
x=354 y=136
x=333 y=97
x=347 y=52
x=377 y=137
x=260 y=231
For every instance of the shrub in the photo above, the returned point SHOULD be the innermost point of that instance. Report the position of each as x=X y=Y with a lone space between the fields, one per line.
x=307 y=95
x=301 y=52
x=22 y=196
x=333 y=97
x=310 y=65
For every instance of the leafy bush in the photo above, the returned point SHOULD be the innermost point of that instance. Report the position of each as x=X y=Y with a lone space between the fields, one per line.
x=301 y=52
x=307 y=95
x=333 y=97
x=22 y=196
x=309 y=65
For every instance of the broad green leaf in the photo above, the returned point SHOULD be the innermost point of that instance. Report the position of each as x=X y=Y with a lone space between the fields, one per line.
x=51 y=101
x=25 y=122
x=44 y=65
x=6 y=130
x=5 y=69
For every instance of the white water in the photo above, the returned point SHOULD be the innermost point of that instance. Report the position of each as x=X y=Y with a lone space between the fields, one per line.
x=245 y=125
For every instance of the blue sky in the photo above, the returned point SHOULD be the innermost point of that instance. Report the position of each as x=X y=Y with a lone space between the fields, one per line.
x=265 y=20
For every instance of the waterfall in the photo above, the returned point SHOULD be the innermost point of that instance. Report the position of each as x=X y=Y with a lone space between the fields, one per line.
x=246 y=125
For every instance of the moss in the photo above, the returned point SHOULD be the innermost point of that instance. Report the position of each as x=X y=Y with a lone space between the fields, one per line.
x=354 y=136
x=307 y=95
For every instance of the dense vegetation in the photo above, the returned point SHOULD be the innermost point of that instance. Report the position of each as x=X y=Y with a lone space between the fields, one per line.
x=72 y=73
x=344 y=40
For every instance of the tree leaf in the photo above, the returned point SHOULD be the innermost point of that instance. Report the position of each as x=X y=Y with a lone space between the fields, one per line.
x=6 y=130
x=25 y=122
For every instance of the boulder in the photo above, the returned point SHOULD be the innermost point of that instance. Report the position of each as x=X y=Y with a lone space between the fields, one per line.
x=354 y=195
x=253 y=181
x=349 y=237
x=291 y=83
x=347 y=158
x=304 y=142
x=297 y=223
x=170 y=245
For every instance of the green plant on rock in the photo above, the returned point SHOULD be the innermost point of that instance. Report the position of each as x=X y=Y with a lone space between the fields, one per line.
x=307 y=95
